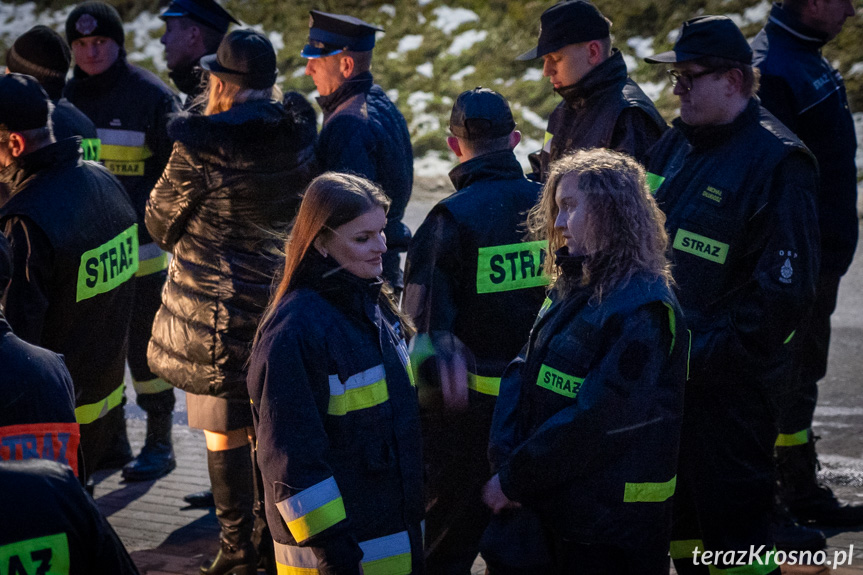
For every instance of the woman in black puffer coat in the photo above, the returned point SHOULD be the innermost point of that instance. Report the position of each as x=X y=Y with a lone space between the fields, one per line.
x=223 y=207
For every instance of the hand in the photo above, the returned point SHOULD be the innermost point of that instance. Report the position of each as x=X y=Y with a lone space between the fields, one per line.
x=494 y=498
x=453 y=382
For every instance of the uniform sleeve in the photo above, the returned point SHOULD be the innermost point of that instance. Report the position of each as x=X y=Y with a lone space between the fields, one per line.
x=634 y=133
x=174 y=198
x=289 y=387
x=781 y=288
x=346 y=145
x=28 y=296
x=608 y=403
x=503 y=436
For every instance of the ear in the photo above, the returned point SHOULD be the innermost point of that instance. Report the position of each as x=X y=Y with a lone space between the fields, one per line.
x=346 y=66
x=453 y=144
x=514 y=139
x=194 y=35
x=735 y=81
x=594 y=52
x=17 y=145
x=318 y=244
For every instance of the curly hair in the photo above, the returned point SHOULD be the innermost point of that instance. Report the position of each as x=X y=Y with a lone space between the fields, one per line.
x=625 y=227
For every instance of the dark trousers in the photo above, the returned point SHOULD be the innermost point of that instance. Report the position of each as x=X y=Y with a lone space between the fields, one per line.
x=148 y=299
x=573 y=558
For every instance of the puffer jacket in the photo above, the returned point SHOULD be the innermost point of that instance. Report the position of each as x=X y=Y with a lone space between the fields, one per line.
x=223 y=207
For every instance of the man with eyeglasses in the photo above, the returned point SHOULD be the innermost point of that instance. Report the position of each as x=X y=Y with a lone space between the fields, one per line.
x=804 y=91
x=738 y=190
x=602 y=107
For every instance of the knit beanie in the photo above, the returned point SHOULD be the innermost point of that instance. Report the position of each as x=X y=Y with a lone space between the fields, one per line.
x=42 y=53
x=95 y=19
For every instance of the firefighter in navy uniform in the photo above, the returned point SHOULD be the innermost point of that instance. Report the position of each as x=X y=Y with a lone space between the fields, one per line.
x=602 y=107
x=37 y=399
x=363 y=131
x=472 y=286
x=75 y=244
x=130 y=108
x=43 y=53
x=51 y=525
x=802 y=89
x=738 y=190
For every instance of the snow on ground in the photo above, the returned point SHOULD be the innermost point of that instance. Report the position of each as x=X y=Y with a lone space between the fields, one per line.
x=449 y=19
x=431 y=165
x=17 y=19
x=653 y=89
x=409 y=42
x=529 y=116
x=388 y=9
x=631 y=63
x=643 y=47
x=532 y=75
x=146 y=30
x=856 y=69
x=393 y=95
x=463 y=73
x=426 y=69
x=465 y=40
x=524 y=148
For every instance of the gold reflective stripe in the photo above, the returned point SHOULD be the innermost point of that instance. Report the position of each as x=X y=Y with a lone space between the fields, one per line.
x=389 y=555
x=649 y=492
x=484 y=384
x=48 y=554
x=109 y=265
x=151 y=386
x=701 y=246
x=510 y=267
x=559 y=382
x=153 y=265
x=362 y=390
x=313 y=510
x=654 y=181
x=92 y=149
x=792 y=439
x=89 y=413
x=125 y=153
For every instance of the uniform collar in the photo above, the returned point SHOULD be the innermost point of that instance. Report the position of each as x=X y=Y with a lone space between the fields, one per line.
x=188 y=79
x=359 y=84
x=785 y=22
x=495 y=166
x=607 y=74
x=710 y=136
x=58 y=154
x=351 y=294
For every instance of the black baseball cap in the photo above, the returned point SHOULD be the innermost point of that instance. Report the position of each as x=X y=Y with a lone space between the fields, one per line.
x=206 y=12
x=481 y=114
x=246 y=58
x=333 y=33
x=24 y=104
x=707 y=36
x=565 y=23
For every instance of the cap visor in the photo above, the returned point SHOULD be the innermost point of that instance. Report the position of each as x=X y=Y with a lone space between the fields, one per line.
x=671 y=57
x=529 y=55
x=210 y=64
x=312 y=52
x=173 y=13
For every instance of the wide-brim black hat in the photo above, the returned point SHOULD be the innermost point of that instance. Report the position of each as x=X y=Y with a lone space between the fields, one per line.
x=246 y=58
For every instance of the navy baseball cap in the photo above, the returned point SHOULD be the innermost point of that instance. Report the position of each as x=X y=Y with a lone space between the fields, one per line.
x=480 y=114
x=333 y=33
x=707 y=36
x=565 y=23
x=23 y=103
x=206 y=12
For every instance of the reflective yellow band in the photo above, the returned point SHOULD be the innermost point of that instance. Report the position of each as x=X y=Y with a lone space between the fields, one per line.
x=151 y=386
x=389 y=555
x=789 y=338
x=484 y=384
x=510 y=267
x=89 y=413
x=153 y=265
x=362 y=390
x=649 y=492
x=701 y=246
x=654 y=181
x=559 y=382
x=672 y=324
x=683 y=548
x=92 y=149
x=792 y=439
x=313 y=510
x=125 y=153
x=48 y=554
x=545 y=305
x=108 y=266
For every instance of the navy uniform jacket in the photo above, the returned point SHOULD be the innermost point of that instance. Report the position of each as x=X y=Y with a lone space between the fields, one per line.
x=364 y=133
x=802 y=89
x=337 y=427
x=587 y=426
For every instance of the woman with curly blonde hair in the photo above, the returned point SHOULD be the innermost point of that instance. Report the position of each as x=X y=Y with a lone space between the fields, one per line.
x=587 y=425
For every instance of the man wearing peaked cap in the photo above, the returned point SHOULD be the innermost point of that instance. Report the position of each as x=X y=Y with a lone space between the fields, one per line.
x=193 y=29
x=363 y=131
x=738 y=191
x=601 y=107
x=464 y=319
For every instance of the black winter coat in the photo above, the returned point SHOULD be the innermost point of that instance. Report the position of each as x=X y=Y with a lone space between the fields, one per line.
x=223 y=207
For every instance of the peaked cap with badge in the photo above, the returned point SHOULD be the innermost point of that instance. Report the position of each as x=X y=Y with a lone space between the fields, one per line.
x=331 y=34
x=206 y=12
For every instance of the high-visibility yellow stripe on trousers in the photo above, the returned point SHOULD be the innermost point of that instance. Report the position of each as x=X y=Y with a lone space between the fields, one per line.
x=484 y=384
x=389 y=555
x=90 y=412
x=313 y=510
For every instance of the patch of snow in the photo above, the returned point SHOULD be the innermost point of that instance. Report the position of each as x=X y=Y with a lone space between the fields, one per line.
x=409 y=42
x=530 y=116
x=299 y=72
x=643 y=47
x=421 y=19
x=15 y=19
x=393 y=95
x=417 y=101
x=631 y=63
x=388 y=9
x=653 y=89
x=449 y=19
x=737 y=19
x=757 y=13
x=531 y=75
x=424 y=2
x=465 y=40
x=426 y=69
x=277 y=40
x=464 y=72
x=673 y=35
x=498 y=81
x=524 y=148
x=423 y=124
x=145 y=44
x=431 y=165
x=858 y=127
x=857 y=68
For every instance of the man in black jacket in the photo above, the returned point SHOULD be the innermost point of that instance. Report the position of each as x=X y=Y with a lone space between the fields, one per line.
x=193 y=29
x=601 y=107
x=75 y=247
x=738 y=190
x=802 y=89
x=130 y=108
x=473 y=286
x=363 y=131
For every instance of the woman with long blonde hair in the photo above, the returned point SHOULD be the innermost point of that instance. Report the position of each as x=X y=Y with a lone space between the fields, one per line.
x=586 y=428
x=230 y=191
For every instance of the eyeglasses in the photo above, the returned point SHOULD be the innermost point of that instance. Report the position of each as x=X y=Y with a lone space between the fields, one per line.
x=687 y=79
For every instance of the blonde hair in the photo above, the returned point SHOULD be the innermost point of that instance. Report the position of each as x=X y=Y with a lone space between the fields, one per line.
x=215 y=101
x=625 y=228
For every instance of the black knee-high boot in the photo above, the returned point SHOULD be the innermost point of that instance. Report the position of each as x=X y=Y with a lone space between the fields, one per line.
x=234 y=494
